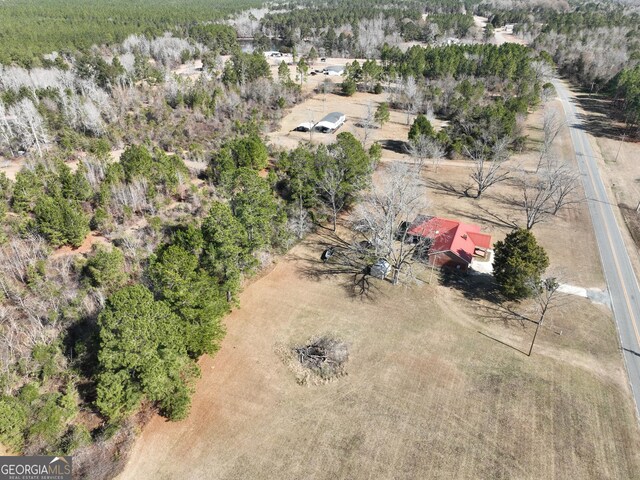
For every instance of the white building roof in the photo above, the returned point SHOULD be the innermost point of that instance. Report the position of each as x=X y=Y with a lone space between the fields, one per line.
x=331 y=122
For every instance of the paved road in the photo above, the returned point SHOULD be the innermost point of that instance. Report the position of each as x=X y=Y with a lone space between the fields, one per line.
x=618 y=270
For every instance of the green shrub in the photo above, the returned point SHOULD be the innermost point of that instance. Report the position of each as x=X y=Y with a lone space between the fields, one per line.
x=348 y=87
x=105 y=268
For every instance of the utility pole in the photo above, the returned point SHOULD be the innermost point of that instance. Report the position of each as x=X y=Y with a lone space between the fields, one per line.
x=619 y=147
x=312 y=125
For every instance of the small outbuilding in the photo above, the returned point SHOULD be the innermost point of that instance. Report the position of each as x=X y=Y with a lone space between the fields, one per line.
x=331 y=122
x=304 y=127
x=452 y=244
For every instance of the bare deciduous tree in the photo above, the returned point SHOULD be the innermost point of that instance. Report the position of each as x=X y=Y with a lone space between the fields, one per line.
x=542 y=71
x=386 y=211
x=299 y=221
x=546 y=194
x=545 y=295
x=330 y=185
x=424 y=148
x=488 y=164
x=411 y=96
x=131 y=195
x=368 y=123
x=29 y=125
x=551 y=126
x=6 y=132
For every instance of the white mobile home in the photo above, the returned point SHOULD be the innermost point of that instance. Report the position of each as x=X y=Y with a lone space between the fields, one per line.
x=331 y=122
x=334 y=70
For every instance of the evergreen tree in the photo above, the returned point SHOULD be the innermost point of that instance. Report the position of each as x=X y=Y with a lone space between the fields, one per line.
x=519 y=264
x=225 y=253
x=105 y=269
x=284 y=75
x=61 y=221
x=382 y=114
x=136 y=161
x=255 y=206
x=348 y=87
x=192 y=294
x=421 y=127
x=27 y=189
x=142 y=353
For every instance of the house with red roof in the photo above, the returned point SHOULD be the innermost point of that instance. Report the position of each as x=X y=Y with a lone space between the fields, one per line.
x=453 y=244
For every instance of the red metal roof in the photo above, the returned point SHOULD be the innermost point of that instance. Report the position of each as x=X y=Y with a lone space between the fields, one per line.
x=451 y=235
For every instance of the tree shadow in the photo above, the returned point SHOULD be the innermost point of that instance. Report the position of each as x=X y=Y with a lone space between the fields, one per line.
x=446 y=187
x=347 y=264
x=482 y=289
x=362 y=124
x=490 y=306
x=397 y=146
x=491 y=218
x=503 y=343
x=81 y=345
x=600 y=118
x=474 y=286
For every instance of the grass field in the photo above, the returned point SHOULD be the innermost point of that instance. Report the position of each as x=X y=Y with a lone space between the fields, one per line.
x=427 y=395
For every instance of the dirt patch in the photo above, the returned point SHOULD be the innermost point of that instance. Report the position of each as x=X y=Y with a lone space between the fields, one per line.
x=355 y=109
x=10 y=167
x=92 y=239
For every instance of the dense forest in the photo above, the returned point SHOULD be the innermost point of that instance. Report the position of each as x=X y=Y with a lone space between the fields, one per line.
x=30 y=29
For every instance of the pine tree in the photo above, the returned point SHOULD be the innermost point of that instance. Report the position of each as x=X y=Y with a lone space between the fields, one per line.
x=519 y=264
x=421 y=127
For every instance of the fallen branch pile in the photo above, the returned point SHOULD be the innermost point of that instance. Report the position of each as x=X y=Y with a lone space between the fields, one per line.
x=325 y=356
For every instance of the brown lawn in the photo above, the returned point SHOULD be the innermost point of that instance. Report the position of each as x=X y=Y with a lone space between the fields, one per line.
x=427 y=395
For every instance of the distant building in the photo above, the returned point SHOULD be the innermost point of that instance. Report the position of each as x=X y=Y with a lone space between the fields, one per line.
x=331 y=122
x=334 y=70
x=452 y=244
